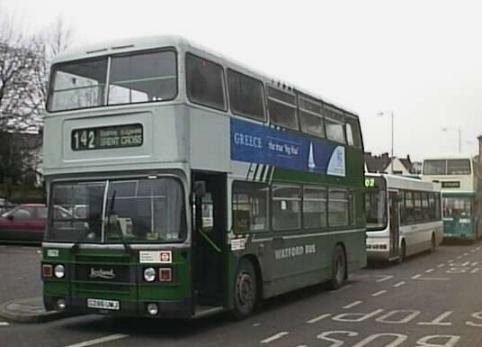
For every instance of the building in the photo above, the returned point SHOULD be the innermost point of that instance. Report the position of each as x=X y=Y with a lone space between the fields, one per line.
x=383 y=163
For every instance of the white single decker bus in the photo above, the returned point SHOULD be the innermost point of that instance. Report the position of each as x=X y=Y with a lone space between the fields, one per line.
x=403 y=216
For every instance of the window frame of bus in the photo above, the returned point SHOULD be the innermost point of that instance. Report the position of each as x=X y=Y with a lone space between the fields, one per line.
x=302 y=98
x=263 y=98
x=107 y=80
x=183 y=225
x=283 y=103
x=347 y=211
x=324 y=191
x=336 y=116
x=147 y=51
x=271 y=206
x=245 y=184
x=354 y=124
x=223 y=85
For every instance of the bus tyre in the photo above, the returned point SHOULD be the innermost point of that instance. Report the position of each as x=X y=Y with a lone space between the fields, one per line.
x=403 y=252
x=338 y=272
x=245 y=290
x=433 y=244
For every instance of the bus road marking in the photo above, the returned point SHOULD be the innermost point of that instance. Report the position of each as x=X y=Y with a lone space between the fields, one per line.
x=429 y=270
x=440 y=265
x=317 y=319
x=256 y=324
x=4 y=324
x=99 y=340
x=419 y=277
x=353 y=304
x=438 y=320
x=379 y=293
x=466 y=254
x=459 y=257
x=275 y=337
x=399 y=284
x=384 y=278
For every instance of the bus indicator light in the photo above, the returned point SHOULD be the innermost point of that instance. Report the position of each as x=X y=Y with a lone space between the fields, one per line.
x=47 y=270
x=165 y=274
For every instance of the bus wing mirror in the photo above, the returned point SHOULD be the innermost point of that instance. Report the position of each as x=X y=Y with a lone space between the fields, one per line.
x=200 y=188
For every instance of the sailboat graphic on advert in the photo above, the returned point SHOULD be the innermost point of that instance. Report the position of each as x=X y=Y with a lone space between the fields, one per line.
x=311 y=158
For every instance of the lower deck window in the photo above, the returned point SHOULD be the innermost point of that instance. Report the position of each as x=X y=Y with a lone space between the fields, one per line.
x=338 y=208
x=286 y=207
x=250 y=207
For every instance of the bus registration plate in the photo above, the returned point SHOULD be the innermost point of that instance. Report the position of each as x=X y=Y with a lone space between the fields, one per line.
x=103 y=304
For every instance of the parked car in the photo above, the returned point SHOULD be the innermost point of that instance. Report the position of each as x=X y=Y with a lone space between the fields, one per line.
x=26 y=223
x=5 y=205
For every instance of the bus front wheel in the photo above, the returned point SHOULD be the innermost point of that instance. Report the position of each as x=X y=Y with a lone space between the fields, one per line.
x=338 y=274
x=245 y=290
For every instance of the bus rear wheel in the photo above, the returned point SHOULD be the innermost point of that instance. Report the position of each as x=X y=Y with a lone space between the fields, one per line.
x=338 y=274
x=433 y=244
x=245 y=290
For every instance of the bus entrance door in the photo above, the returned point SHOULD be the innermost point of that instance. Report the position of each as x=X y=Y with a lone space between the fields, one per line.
x=394 y=252
x=209 y=249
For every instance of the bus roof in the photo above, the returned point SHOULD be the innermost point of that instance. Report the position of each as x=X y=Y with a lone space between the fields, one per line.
x=404 y=182
x=152 y=42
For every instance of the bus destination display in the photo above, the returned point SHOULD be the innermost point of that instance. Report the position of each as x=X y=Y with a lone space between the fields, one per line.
x=120 y=136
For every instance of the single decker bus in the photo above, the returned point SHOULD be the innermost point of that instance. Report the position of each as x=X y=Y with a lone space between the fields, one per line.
x=403 y=216
x=192 y=183
x=458 y=179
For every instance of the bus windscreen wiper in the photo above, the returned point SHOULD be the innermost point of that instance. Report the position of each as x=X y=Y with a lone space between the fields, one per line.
x=127 y=247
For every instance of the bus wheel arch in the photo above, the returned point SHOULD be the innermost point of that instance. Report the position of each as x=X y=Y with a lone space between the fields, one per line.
x=247 y=287
x=339 y=270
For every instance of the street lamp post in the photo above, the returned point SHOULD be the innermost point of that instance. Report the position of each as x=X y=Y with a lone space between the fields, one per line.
x=459 y=134
x=392 y=137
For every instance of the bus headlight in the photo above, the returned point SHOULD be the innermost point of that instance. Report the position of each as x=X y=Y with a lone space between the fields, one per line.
x=152 y=309
x=149 y=274
x=59 y=271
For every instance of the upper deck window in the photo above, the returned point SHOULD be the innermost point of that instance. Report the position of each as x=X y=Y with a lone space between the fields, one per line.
x=205 y=82
x=79 y=84
x=311 y=119
x=246 y=95
x=282 y=108
x=133 y=78
x=447 y=167
x=142 y=78
x=458 y=167
x=334 y=123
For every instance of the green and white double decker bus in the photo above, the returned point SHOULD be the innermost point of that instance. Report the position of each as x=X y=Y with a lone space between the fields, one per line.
x=192 y=184
x=458 y=180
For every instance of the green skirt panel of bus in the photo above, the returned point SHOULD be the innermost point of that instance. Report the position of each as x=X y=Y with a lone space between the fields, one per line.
x=117 y=281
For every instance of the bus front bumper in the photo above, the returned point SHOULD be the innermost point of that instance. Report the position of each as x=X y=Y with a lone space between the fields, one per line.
x=165 y=309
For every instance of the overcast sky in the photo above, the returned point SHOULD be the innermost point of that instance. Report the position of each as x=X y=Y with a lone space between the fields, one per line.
x=420 y=59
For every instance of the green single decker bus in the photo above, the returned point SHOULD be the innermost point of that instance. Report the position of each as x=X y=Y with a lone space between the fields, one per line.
x=190 y=184
x=458 y=180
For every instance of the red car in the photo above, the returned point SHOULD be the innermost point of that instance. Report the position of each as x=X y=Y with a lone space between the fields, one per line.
x=25 y=223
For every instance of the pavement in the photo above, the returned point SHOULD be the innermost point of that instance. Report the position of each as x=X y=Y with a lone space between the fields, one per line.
x=29 y=310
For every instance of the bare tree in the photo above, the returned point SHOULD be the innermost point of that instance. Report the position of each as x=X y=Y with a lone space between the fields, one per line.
x=24 y=68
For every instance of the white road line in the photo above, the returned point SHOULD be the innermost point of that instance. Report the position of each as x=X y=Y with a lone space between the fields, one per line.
x=275 y=337
x=99 y=340
x=256 y=324
x=440 y=265
x=419 y=277
x=4 y=324
x=459 y=257
x=379 y=293
x=353 y=304
x=384 y=278
x=317 y=319
x=478 y=248
x=429 y=270
x=399 y=284
x=466 y=254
